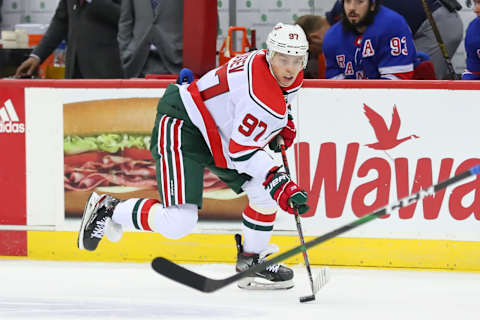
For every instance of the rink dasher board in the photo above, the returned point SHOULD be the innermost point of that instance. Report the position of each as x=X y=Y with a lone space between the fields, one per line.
x=329 y=115
x=220 y=248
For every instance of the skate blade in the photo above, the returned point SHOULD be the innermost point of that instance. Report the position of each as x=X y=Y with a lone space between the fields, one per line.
x=255 y=283
x=87 y=213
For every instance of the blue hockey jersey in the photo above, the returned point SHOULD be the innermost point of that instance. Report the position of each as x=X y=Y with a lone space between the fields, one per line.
x=472 y=48
x=342 y=52
x=384 y=51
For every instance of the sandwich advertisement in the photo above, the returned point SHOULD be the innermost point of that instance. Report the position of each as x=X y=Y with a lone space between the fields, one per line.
x=106 y=150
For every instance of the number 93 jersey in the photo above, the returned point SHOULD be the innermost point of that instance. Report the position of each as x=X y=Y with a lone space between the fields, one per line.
x=388 y=51
x=239 y=108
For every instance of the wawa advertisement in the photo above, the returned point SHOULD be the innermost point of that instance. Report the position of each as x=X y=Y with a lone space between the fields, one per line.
x=106 y=150
x=361 y=149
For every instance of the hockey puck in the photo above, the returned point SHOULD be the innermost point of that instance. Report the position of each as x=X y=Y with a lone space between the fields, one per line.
x=307 y=298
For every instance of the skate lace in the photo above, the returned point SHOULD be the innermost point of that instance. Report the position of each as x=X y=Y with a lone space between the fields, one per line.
x=273 y=268
x=99 y=229
x=271 y=248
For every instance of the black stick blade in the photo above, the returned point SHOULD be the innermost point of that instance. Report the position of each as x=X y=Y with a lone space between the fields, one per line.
x=189 y=278
x=307 y=298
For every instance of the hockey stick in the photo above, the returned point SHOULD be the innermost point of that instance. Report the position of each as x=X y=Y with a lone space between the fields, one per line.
x=438 y=36
x=319 y=281
x=194 y=280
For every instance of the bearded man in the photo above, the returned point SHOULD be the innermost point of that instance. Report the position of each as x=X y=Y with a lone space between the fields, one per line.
x=369 y=42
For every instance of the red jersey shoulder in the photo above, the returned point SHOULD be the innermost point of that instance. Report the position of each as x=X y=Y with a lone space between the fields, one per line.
x=264 y=89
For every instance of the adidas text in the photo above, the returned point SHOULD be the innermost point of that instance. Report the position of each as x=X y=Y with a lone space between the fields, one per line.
x=11 y=127
x=9 y=122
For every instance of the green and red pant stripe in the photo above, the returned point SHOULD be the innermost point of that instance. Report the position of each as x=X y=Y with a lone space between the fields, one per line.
x=140 y=213
x=172 y=170
x=255 y=220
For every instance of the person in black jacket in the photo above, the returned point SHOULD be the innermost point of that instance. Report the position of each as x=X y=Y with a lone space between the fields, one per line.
x=90 y=29
x=1 y=4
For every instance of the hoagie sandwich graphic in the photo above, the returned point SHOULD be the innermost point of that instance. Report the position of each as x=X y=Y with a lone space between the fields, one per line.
x=106 y=150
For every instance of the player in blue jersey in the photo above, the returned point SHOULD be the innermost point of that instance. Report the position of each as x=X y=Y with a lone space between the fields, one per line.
x=449 y=23
x=370 y=42
x=472 y=46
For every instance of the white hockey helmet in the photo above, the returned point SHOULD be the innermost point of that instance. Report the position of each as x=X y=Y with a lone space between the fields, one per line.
x=287 y=39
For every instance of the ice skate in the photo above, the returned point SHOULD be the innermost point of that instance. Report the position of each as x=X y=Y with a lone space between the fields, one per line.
x=97 y=218
x=275 y=276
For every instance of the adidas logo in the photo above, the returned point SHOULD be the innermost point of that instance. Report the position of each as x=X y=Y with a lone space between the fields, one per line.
x=9 y=122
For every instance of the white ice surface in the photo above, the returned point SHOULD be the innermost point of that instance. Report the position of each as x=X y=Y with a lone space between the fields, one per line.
x=80 y=290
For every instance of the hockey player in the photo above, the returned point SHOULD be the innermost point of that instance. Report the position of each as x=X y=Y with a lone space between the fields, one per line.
x=472 y=46
x=370 y=42
x=223 y=122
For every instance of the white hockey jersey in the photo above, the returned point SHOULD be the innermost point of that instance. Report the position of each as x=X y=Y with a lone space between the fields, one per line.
x=239 y=108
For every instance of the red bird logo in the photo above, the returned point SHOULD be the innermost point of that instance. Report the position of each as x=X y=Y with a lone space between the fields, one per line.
x=387 y=138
